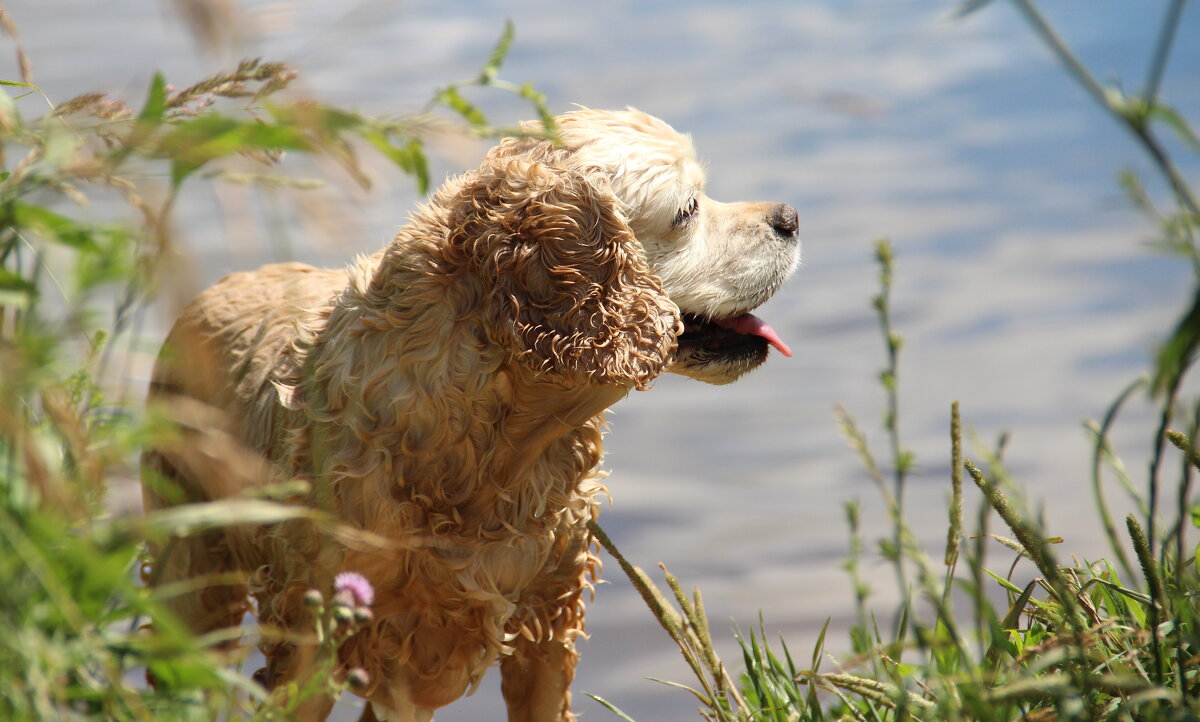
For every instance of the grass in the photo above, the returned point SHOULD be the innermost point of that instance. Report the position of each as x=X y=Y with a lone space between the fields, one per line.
x=1084 y=640
x=1078 y=641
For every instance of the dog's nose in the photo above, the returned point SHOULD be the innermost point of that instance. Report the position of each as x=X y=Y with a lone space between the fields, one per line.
x=785 y=221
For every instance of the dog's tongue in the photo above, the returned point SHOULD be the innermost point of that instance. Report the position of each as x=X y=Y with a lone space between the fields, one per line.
x=752 y=325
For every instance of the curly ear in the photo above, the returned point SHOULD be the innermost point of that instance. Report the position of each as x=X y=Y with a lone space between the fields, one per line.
x=568 y=283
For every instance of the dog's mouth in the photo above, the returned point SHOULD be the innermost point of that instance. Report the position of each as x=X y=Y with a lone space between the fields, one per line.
x=723 y=335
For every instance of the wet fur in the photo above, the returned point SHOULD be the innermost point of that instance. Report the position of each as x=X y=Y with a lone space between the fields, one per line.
x=446 y=394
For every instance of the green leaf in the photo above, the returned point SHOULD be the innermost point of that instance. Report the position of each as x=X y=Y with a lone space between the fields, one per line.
x=1013 y=617
x=610 y=707
x=1178 y=353
x=410 y=157
x=16 y=291
x=451 y=98
x=10 y=281
x=31 y=86
x=1177 y=123
x=52 y=226
x=420 y=164
x=539 y=103
x=1001 y=641
x=185 y=138
x=499 y=52
x=196 y=142
x=156 y=102
x=1004 y=582
x=818 y=647
x=175 y=673
x=180 y=170
x=112 y=261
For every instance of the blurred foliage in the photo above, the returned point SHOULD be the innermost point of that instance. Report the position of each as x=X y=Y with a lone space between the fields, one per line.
x=77 y=641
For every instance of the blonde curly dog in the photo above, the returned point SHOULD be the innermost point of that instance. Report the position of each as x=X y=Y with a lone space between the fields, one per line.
x=447 y=394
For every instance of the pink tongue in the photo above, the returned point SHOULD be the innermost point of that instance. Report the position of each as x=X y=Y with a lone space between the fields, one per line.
x=752 y=325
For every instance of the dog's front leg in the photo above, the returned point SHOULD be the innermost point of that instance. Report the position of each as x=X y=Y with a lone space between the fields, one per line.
x=294 y=663
x=536 y=679
x=401 y=710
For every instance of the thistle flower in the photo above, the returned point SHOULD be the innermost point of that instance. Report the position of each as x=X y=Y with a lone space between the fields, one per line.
x=354 y=588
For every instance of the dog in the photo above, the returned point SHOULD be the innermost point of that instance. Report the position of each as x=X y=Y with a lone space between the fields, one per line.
x=447 y=394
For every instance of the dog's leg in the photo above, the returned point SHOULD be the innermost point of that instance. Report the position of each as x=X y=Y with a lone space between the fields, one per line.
x=536 y=679
x=410 y=713
x=209 y=602
x=393 y=701
x=287 y=663
x=218 y=604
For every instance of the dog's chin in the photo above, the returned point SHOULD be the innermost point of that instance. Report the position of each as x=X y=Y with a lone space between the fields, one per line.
x=718 y=367
x=715 y=354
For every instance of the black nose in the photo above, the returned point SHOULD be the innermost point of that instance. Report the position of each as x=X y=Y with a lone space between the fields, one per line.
x=784 y=220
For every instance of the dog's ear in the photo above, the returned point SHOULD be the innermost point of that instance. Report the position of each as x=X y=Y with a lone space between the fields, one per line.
x=567 y=282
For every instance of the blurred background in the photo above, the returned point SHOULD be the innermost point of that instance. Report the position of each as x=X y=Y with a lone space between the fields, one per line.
x=1025 y=288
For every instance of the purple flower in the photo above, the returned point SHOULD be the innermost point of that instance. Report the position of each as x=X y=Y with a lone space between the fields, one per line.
x=355 y=586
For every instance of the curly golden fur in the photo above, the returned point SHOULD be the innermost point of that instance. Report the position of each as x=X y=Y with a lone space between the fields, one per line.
x=447 y=394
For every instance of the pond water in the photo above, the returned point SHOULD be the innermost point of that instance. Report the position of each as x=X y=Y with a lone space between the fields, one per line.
x=1024 y=289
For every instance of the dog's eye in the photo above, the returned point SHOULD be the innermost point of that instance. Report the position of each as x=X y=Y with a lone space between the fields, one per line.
x=688 y=213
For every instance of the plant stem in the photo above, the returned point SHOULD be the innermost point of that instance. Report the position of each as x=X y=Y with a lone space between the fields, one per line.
x=891 y=379
x=1110 y=417
x=1162 y=51
x=1113 y=102
x=1160 y=443
x=1190 y=460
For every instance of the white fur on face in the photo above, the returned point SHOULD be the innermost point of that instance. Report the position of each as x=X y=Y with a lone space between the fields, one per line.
x=725 y=262
x=721 y=262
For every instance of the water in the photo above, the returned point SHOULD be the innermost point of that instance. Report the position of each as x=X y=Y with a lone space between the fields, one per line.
x=1023 y=290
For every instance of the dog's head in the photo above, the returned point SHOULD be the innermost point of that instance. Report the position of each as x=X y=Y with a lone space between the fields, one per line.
x=610 y=263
